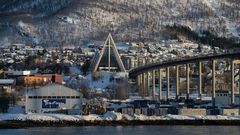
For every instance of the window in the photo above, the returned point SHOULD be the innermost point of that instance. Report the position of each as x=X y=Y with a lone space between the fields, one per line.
x=54 y=97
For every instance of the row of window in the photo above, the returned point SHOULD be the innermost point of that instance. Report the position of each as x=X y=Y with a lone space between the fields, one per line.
x=54 y=97
x=222 y=95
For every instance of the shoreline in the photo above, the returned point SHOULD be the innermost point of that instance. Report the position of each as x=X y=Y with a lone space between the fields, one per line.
x=18 y=124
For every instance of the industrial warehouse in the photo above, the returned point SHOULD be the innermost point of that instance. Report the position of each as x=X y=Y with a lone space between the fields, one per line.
x=54 y=98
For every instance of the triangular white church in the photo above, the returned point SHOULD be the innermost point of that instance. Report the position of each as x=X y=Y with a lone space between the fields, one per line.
x=108 y=58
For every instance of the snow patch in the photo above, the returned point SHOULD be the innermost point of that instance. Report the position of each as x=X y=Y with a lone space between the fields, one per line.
x=109 y=116
x=112 y=116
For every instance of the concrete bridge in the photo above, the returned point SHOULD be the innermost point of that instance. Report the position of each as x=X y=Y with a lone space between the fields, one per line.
x=144 y=75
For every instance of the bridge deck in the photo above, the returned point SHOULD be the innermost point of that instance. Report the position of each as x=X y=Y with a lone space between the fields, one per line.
x=136 y=71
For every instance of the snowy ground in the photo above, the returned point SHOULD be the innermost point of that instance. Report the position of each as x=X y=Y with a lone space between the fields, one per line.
x=109 y=116
x=101 y=83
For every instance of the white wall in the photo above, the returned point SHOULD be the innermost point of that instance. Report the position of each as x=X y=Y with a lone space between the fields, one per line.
x=54 y=91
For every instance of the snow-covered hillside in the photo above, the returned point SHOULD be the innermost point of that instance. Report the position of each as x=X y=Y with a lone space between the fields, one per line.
x=62 y=22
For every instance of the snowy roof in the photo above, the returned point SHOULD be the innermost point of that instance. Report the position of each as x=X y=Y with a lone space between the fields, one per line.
x=54 y=90
x=26 y=72
x=6 y=81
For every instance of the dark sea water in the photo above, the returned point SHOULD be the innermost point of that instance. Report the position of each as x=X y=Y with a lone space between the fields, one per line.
x=129 y=130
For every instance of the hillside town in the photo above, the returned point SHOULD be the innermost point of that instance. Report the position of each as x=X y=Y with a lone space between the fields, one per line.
x=119 y=67
x=81 y=81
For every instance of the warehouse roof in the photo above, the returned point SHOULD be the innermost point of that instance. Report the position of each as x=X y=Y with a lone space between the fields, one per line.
x=6 y=81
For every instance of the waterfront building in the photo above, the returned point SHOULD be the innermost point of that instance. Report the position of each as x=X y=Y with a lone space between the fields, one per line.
x=223 y=99
x=53 y=98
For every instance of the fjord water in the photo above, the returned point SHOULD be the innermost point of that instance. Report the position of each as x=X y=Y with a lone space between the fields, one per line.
x=129 y=130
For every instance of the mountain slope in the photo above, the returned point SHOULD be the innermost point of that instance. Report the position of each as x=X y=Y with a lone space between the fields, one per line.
x=68 y=22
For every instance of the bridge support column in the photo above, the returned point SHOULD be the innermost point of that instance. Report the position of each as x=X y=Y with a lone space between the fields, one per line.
x=138 y=80
x=153 y=85
x=144 y=85
x=200 y=80
x=137 y=83
x=141 y=78
x=188 y=81
x=148 y=84
x=232 y=84
x=177 y=82
x=168 y=83
x=146 y=90
x=213 y=83
x=140 y=84
x=160 y=84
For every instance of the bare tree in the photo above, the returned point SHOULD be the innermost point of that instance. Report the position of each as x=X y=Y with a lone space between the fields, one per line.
x=122 y=90
x=84 y=89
